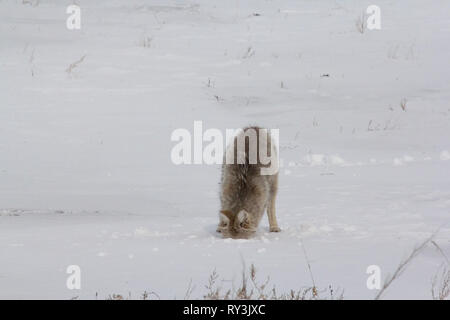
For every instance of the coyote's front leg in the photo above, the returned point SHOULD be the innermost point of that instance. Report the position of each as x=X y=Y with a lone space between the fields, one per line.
x=222 y=225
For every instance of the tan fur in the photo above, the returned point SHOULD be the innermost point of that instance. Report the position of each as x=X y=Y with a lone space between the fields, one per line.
x=245 y=194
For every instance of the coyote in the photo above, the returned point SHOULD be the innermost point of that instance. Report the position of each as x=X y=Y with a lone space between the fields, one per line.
x=245 y=193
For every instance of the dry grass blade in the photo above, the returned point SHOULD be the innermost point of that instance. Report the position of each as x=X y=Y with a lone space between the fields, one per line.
x=75 y=64
x=440 y=251
x=402 y=266
x=440 y=289
x=314 y=288
x=252 y=289
x=361 y=23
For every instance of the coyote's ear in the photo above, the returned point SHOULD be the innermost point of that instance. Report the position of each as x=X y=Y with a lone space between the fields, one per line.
x=242 y=216
x=227 y=214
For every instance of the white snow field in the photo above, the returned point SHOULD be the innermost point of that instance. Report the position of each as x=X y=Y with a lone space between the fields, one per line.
x=86 y=176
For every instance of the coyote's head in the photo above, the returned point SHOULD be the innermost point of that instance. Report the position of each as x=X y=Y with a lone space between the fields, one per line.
x=238 y=226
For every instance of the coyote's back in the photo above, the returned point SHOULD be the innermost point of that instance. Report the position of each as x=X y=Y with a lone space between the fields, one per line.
x=246 y=190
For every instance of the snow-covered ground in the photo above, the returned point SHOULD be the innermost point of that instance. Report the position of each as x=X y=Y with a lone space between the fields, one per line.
x=86 y=176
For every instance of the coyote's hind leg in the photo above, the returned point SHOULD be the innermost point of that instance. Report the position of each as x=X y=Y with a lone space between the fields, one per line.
x=273 y=224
